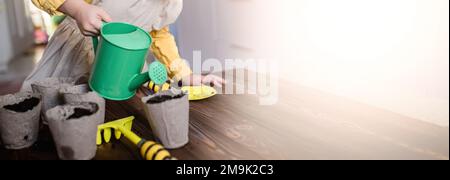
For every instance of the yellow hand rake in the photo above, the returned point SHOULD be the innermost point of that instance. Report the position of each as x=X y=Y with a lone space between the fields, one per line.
x=149 y=150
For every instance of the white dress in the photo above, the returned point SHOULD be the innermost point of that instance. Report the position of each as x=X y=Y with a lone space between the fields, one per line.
x=70 y=54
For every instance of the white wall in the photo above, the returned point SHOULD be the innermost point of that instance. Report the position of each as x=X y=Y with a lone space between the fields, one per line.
x=20 y=25
x=16 y=30
x=391 y=54
x=195 y=30
x=224 y=29
x=5 y=44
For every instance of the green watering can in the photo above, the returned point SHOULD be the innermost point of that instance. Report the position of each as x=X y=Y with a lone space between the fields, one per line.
x=120 y=52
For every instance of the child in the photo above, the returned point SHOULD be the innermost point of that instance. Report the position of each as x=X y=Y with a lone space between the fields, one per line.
x=69 y=53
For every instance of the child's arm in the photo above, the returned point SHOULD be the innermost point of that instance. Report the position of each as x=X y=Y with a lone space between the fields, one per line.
x=89 y=18
x=165 y=50
x=49 y=6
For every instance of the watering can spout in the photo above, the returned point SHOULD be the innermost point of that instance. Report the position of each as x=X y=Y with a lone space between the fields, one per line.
x=138 y=80
x=157 y=73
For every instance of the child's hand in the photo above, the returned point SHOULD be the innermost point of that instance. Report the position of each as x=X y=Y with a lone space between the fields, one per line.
x=89 y=17
x=197 y=80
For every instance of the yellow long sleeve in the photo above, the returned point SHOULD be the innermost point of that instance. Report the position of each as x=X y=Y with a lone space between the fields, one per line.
x=51 y=6
x=164 y=48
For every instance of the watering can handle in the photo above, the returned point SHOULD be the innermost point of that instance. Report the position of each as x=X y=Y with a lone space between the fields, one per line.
x=95 y=40
x=95 y=43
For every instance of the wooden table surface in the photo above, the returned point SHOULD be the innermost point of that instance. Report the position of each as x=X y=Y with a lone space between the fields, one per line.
x=304 y=124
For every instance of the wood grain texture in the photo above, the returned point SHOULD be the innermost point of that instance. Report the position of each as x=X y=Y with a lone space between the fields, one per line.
x=304 y=124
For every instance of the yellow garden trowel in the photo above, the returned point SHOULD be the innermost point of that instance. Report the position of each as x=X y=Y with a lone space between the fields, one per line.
x=149 y=150
x=196 y=93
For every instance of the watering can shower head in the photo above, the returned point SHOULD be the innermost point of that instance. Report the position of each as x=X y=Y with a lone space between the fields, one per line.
x=157 y=73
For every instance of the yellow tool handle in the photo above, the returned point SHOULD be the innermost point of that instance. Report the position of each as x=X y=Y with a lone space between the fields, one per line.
x=149 y=150
x=135 y=139
x=156 y=88
x=153 y=151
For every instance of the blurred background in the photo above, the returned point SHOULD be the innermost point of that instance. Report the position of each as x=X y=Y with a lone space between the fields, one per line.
x=391 y=54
